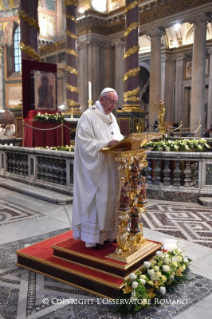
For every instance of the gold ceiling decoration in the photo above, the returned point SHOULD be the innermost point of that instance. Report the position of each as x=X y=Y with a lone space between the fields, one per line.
x=72 y=70
x=72 y=88
x=69 y=51
x=70 y=34
x=28 y=19
x=131 y=6
x=131 y=73
x=71 y=17
x=133 y=26
x=131 y=51
x=29 y=51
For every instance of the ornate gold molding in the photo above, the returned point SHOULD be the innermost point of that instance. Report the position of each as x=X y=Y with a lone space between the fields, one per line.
x=72 y=88
x=71 y=35
x=72 y=103
x=130 y=73
x=168 y=9
x=131 y=93
x=28 y=19
x=72 y=70
x=133 y=26
x=71 y=17
x=69 y=51
x=131 y=6
x=131 y=51
x=29 y=51
x=71 y=2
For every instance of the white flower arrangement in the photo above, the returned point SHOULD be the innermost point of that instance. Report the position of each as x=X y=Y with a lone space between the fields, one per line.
x=154 y=279
x=49 y=117
x=185 y=145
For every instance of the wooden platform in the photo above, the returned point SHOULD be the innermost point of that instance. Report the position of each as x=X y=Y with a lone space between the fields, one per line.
x=69 y=261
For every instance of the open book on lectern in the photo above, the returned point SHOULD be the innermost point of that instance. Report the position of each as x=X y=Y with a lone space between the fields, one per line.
x=132 y=142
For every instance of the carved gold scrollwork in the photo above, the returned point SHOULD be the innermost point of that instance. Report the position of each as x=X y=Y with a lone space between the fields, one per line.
x=72 y=103
x=69 y=51
x=131 y=51
x=133 y=26
x=131 y=6
x=130 y=73
x=71 y=35
x=71 y=2
x=29 y=51
x=71 y=17
x=72 y=88
x=72 y=70
x=28 y=19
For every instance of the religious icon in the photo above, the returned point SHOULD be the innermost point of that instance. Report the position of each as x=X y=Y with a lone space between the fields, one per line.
x=134 y=224
x=44 y=86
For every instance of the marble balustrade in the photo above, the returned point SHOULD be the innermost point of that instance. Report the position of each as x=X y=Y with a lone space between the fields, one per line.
x=170 y=175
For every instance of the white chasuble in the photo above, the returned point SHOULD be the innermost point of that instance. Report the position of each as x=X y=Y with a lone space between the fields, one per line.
x=95 y=177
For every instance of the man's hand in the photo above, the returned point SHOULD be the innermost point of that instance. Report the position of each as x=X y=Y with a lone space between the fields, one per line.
x=111 y=143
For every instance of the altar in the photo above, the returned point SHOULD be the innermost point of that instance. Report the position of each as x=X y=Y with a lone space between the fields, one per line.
x=42 y=134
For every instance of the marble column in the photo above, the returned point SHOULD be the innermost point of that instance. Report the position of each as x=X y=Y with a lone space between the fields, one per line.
x=72 y=92
x=119 y=69
x=155 y=72
x=60 y=29
x=83 y=75
x=167 y=85
x=29 y=33
x=179 y=97
x=1 y=78
x=198 y=73
x=109 y=65
x=209 y=115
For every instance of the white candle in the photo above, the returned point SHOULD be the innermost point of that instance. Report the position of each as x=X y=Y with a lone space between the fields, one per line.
x=89 y=91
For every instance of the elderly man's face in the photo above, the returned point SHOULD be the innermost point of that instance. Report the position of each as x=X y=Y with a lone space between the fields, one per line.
x=109 y=102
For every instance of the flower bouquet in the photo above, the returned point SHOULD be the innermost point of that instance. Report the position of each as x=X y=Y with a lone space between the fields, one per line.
x=148 y=285
x=49 y=118
x=67 y=148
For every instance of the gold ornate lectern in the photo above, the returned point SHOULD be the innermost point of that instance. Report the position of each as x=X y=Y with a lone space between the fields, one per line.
x=131 y=159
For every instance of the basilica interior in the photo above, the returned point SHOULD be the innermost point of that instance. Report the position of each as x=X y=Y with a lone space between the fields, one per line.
x=174 y=61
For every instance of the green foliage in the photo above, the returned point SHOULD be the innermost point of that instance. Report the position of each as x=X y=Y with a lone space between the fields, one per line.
x=49 y=118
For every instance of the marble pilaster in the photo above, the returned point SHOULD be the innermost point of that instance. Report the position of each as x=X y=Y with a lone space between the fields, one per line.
x=119 y=69
x=197 y=113
x=155 y=71
x=178 y=114
x=209 y=115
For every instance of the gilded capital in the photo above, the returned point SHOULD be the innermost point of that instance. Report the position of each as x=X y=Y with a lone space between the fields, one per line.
x=71 y=2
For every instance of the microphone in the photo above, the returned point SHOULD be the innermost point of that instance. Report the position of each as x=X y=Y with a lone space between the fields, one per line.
x=119 y=108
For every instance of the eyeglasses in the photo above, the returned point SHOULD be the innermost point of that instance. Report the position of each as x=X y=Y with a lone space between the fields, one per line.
x=111 y=102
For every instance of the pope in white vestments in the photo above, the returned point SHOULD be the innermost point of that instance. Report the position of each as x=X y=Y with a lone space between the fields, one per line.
x=95 y=176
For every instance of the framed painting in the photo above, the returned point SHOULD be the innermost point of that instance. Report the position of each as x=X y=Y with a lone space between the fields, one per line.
x=13 y=95
x=188 y=68
x=44 y=90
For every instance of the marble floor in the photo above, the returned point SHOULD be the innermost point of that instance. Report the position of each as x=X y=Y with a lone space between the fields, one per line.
x=25 y=220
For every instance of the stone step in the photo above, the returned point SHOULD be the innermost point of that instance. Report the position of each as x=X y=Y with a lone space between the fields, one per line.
x=40 y=193
x=206 y=201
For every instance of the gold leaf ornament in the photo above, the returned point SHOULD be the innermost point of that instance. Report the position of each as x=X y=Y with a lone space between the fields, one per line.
x=72 y=88
x=131 y=51
x=70 y=51
x=29 y=51
x=133 y=26
x=71 y=2
x=71 y=17
x=72 y=103
x=71 y=35
x=28 y=19
x=131 y=6
x=131 y=73
x=72 y=70
x=131 y=93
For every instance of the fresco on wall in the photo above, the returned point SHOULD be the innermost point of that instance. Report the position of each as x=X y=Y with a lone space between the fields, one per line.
x=50 y=5
x=1 y=32
x=9 y=4
x=47 y=25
